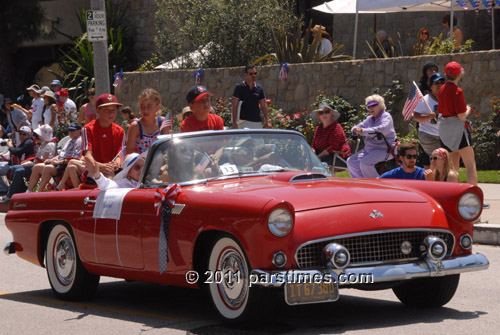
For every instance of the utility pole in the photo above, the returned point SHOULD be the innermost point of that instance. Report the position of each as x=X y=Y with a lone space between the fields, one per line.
x=100 y=51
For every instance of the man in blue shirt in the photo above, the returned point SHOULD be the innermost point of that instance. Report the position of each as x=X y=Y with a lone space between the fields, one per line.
x=407 y=153
x=248 y=101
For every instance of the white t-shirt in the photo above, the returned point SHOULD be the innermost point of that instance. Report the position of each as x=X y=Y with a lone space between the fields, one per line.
x=70 y=112
x=38 y=106
x=427 y=126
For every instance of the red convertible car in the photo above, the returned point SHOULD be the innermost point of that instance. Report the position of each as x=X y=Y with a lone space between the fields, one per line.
x=245 y=212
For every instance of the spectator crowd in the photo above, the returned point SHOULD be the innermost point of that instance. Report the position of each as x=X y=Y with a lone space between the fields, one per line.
x=97 y=152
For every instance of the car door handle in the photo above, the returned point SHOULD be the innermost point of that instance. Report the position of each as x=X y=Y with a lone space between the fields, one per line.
x=87 y=201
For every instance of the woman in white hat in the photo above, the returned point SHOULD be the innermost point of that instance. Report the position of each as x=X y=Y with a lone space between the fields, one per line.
x=128 y=177
x=49 y=115
x=48 y=147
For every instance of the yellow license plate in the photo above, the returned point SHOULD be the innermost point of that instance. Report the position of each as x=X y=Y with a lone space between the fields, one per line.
x=308 y=293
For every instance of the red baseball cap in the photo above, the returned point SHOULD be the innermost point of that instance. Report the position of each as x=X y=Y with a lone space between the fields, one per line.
x=195 y=93
x=107 y=99
x=453 y=69
x=63 y=93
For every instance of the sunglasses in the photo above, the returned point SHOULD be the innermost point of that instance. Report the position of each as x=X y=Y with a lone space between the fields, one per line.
x=425 y=33
x=411 y=156
x=434 y=158
x=324 y=112
x=252 y=73
x=439 y=82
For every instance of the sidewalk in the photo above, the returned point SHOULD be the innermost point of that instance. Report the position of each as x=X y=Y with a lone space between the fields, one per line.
x=488 y=230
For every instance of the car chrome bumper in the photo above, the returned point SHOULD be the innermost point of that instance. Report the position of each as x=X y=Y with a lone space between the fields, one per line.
x=377 y=273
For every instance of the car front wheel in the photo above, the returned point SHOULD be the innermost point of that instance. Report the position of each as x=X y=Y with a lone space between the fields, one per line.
x=67 y=276
x=228 y=280
x=427 y=292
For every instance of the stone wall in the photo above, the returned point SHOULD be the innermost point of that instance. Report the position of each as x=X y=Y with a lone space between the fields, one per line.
x=140 y=17
x=352 y=80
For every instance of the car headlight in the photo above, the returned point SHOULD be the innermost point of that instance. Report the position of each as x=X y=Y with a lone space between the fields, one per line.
x=469 y=206
x=280 y=222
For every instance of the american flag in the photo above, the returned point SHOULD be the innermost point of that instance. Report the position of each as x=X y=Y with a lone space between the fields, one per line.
x=118 y=78
x=168 y=121
x=284 y=71
x=414 y=98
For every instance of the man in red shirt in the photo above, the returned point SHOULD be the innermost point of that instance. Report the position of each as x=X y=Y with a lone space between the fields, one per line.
x=198 y=98
x=102 y=139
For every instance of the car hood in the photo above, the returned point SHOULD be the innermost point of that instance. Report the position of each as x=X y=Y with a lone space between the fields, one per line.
x=306 y=194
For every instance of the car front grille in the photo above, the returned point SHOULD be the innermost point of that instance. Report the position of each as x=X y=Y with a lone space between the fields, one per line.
x=371 y=248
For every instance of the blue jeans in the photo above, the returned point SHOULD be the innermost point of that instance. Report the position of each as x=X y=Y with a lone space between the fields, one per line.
x=18 y=173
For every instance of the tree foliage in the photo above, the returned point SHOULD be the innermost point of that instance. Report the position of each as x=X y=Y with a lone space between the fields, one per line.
x=77 y=60
x=21 y=21
x=227 y=32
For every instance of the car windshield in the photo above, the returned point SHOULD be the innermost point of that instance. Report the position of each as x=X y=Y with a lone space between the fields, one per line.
x=184 y=160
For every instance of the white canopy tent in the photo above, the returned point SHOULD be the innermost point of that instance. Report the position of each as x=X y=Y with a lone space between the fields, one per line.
x=390 y=6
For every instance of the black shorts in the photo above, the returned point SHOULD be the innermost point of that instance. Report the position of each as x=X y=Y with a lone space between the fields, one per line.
x=60 y=168
x=465 y=142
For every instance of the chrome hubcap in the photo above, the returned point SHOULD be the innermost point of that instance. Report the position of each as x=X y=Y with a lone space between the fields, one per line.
x=233 y=285
x=64 y=259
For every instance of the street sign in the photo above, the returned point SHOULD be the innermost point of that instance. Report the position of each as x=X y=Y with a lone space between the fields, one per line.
x=96 y=25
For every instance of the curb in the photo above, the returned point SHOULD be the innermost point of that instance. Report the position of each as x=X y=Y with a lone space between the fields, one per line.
x=487 y=234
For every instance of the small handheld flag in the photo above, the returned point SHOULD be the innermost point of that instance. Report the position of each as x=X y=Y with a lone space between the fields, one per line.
x=414 y=98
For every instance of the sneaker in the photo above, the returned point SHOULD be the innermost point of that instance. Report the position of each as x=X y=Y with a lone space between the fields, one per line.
x=486 y=205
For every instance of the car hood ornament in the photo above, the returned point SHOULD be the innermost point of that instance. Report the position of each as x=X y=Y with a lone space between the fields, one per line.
x=376 y=215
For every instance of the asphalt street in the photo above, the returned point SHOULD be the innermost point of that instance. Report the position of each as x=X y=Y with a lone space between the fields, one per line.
x=27 y=305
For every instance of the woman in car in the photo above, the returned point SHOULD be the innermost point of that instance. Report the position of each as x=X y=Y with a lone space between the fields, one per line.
x=362 y=163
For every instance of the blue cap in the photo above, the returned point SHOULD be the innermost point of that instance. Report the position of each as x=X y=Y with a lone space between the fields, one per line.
x=56 y=82
x=436 y=76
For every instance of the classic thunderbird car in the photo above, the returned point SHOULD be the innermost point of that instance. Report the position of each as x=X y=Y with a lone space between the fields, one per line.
x=241 y=212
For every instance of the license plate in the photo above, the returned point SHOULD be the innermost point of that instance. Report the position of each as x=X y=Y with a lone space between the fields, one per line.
x=308 y=293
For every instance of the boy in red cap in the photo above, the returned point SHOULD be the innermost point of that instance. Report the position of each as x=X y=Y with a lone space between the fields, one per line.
x=102 y=139
x=67 y=107
x=454 y=131
x=198 y=98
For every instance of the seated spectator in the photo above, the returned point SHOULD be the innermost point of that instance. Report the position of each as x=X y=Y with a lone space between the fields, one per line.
x=87 y=112
x=68 y=113
x=128 y=177
x=57 y=165
x=423 y=41
x=19 y=172
x=329 y=137
x=198 y=98
x=186 y=111
x=102 y=139
x=362 y=163
x=144 y=131
x=441 y=167
x=16 y=119
x=47 y=148
x=407 y=153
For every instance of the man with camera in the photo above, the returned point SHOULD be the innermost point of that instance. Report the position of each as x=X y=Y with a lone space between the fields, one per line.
x=427 y=116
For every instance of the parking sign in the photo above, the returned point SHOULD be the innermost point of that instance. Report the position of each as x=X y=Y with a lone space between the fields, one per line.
x=96 y=25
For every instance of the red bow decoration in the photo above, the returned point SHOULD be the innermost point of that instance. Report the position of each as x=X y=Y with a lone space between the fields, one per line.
x=169 y=194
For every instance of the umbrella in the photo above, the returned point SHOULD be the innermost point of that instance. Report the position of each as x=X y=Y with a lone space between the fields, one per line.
x=391 y=6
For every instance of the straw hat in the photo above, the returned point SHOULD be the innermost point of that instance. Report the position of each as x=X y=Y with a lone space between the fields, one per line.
x=320 y=29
